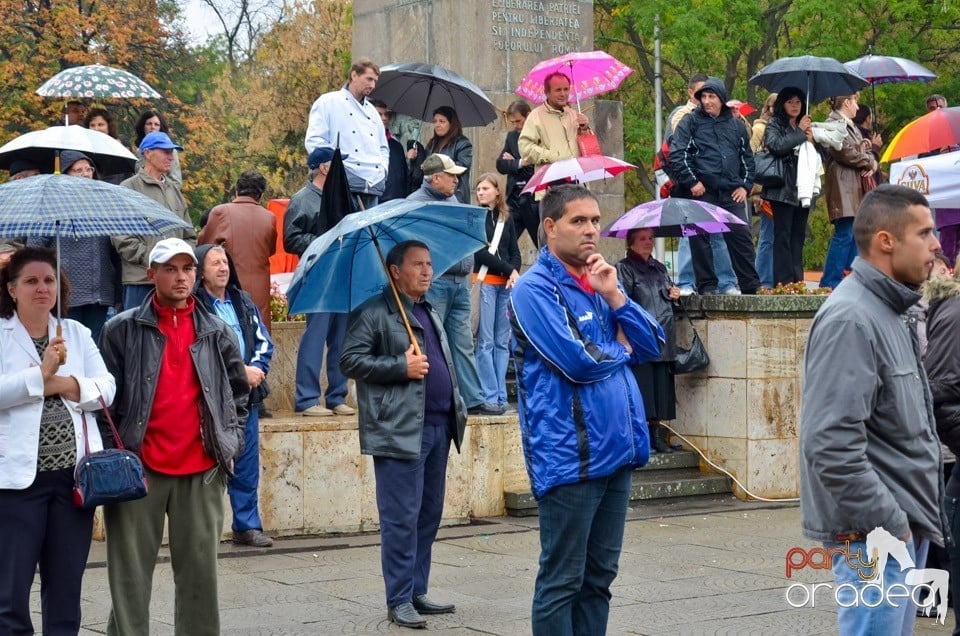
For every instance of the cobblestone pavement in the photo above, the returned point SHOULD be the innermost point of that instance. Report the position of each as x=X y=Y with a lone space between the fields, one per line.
x=707 y=566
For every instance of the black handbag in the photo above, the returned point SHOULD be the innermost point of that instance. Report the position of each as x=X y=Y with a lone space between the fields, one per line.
x=769 y=169
x=109 y=476
x=692 y=359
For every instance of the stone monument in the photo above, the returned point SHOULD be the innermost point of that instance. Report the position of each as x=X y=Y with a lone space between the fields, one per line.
x=493 y=43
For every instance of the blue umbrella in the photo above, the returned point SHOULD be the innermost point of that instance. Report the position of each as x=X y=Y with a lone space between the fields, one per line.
x=55 y=204
x=52 y=204
x=344 y=267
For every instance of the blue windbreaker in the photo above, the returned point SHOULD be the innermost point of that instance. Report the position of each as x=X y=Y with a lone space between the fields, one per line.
x=581 y=413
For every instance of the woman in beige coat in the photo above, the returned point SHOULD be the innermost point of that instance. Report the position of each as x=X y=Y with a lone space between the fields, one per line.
x=844 y=169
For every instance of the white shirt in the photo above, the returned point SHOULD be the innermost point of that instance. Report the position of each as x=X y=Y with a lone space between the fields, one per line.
x=362 y=138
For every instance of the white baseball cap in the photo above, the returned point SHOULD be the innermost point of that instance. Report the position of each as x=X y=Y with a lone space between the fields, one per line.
x=168 y=248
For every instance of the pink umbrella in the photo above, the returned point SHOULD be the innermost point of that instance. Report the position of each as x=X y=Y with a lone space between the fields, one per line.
x=591 y=73
x=576 y=169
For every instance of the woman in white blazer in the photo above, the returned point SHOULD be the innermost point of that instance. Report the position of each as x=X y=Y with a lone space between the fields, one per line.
x=41 y=439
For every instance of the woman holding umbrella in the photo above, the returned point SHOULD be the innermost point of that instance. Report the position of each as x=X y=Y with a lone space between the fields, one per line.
x=646 y=282
x=43 y=403
x=448 y=139
x=846 y=168
x=91 y=261
x=788 y=129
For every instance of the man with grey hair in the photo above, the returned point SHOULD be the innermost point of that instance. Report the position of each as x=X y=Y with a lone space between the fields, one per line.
x=450 y=293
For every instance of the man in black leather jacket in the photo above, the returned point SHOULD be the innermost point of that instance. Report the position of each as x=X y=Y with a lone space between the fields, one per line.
x=410 y=410
x=181 y=402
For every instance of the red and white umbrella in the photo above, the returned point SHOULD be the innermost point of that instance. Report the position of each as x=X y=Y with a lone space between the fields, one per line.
x=576 y=170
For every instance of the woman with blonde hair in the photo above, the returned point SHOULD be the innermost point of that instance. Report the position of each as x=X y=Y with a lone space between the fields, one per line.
x=846 y=171
x=764 y=262
x=497 y=269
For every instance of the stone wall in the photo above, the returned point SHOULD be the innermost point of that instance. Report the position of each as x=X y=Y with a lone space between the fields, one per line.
x=743 y=410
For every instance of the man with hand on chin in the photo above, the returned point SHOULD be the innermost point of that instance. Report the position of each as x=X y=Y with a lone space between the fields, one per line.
x=410 y=410
x=581 y=414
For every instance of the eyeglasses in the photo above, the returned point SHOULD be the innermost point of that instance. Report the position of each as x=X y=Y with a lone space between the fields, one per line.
x=75 y=172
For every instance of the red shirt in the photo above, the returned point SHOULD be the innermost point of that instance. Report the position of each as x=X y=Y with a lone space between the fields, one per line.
x=583 y=281
x=172 y=444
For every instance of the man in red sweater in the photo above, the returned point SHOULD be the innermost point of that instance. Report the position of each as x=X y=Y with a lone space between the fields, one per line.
x=184 y=416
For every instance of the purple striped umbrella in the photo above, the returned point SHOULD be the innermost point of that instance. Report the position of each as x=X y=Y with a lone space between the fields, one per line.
x=674 y=217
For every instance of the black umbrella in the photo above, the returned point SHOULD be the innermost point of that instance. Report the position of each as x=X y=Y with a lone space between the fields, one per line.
x=336 y=202
x=417 y=89
x=819 y=77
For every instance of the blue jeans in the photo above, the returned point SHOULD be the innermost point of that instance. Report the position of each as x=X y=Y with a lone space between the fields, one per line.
x=884 y=619
x=242 y=487
x=581 y=533
x=726 y=278
x=322 y=329
x=451 y=300
x=134 y=295
x=410 y=504
x=493 y=343
x=840 y=254
x=765 y=251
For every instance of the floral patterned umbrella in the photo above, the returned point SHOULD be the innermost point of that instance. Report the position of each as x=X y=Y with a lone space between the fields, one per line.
x=591 y=73
x=96 y=81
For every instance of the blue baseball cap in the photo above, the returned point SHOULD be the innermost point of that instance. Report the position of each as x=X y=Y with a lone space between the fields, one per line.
x=321 y=155
x=160 y=140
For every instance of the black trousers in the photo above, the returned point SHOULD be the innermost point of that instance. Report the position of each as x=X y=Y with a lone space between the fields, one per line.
x=40 y=525
x=739 y=244
x=789 y=233
x=526 y=216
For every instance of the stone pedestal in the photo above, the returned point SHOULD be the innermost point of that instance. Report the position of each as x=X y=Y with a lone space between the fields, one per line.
x=493 y=43
x=743 y=409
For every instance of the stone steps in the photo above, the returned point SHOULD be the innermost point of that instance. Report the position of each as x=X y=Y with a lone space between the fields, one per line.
x=667 y=476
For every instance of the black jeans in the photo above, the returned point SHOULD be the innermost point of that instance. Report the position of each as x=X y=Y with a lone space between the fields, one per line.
x=739 y=244
x=789 y=232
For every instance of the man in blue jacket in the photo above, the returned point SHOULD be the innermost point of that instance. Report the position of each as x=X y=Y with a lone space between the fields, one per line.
x=581 y=414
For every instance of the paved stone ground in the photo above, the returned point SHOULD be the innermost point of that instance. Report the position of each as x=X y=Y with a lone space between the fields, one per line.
x=706 y=566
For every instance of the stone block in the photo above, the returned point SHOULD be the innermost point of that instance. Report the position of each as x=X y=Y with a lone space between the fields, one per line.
x=771 y=348
x=281 y=482
x=726 y=409
x=692 y=400
x=772 y=467
x=727 y=346
x=331 y=476
x=514 y=467
x=730 y=453
x=773 y=408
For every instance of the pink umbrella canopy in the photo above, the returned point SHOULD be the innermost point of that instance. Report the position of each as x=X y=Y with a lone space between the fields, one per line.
x=576 y=170
x=591 y=73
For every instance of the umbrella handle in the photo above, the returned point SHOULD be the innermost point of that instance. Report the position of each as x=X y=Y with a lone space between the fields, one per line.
x=393 y=288
x=62 y=350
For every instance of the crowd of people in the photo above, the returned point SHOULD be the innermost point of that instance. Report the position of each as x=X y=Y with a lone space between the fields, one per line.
x=183 y=366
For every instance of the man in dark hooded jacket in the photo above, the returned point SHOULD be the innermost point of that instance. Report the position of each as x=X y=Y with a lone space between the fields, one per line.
x=711 y=156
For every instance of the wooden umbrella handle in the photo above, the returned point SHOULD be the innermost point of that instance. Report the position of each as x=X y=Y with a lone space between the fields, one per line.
x=61 y=349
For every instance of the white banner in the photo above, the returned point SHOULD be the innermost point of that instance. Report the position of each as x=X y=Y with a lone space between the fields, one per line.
x=936 y=177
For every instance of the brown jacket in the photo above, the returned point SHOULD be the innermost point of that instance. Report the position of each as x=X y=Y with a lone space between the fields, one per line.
x=843 y=188
x=248 y=232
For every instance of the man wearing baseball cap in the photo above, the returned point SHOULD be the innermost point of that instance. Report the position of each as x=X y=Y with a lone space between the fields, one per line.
x=151 y=180
x=449 y=294
x=181 y=403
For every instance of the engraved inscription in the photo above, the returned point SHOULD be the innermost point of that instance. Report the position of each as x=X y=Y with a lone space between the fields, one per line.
x=532 y=26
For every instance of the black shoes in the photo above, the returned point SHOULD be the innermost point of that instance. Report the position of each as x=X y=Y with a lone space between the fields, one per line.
x=252 y=538
x=425 y=606
x=405 y=615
